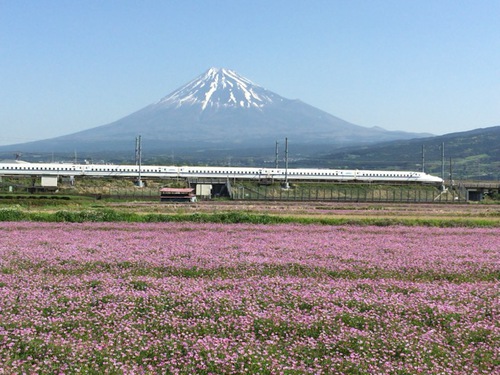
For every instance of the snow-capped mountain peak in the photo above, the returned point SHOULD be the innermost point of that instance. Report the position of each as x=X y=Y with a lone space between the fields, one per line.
x=219 y=87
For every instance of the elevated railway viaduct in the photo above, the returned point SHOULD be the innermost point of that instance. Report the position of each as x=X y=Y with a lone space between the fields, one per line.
x=476 y=190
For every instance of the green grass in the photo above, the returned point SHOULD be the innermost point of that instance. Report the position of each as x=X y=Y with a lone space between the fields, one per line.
x=111 y=215
x=134 y=270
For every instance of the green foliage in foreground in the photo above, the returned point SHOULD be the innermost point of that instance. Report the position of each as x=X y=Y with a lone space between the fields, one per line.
x=109 y=215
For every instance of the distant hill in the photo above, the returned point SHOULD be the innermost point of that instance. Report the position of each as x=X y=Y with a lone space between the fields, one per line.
x=219 y=110
x=473 y=154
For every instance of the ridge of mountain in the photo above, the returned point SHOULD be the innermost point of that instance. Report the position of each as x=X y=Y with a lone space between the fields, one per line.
x=474 y=153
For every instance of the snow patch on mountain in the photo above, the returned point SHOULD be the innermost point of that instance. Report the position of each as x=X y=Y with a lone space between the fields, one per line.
x=218 y=88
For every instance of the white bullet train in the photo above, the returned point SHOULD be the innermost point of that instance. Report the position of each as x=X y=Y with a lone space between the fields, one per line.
x=250 y=173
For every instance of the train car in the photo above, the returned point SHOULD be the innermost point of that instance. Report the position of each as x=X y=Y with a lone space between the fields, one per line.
x=250 y=173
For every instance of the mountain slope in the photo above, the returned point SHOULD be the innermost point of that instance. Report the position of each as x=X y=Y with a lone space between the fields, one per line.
x=218 y=109
x=472 y=154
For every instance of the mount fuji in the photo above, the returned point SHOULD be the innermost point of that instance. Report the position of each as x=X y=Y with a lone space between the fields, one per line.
x=220 y=109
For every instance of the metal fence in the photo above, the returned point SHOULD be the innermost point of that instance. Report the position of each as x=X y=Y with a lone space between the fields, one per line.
x=145 y=194
x=274 y=192
x=97 y=192
x=348 y=194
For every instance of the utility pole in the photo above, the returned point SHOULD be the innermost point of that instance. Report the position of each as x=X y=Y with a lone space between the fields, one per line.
x=286 y=164
x=139 y=156
x=442 y=166
x=423 y=158
x=442 y=160
x=276 y=157
x=136 y=150
x=451 y=173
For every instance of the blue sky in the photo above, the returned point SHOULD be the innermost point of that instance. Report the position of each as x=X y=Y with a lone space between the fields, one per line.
x=412 y=65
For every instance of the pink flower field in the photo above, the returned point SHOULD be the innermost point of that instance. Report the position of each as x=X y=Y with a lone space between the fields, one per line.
x=186 y=298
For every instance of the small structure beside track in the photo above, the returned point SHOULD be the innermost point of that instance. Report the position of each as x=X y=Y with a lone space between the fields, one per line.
x=177 y=195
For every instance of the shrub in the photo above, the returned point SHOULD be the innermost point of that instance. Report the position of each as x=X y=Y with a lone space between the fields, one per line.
x=12 y=214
